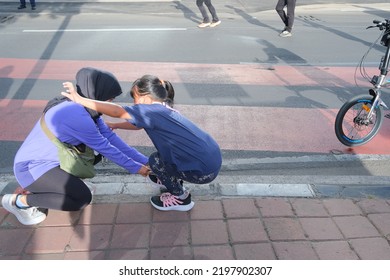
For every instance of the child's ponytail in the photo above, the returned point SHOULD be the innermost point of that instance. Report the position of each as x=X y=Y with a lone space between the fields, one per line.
x=171 y=93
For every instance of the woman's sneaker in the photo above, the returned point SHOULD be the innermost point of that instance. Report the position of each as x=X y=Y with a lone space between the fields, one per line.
x=29 y=216
x=170 y=202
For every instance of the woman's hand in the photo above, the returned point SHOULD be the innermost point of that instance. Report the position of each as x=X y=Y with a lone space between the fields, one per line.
x=20 y=190
x=70 y=92
x=144 y=171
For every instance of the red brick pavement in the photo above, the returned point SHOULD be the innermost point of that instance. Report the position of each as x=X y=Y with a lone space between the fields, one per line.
x=254 y=228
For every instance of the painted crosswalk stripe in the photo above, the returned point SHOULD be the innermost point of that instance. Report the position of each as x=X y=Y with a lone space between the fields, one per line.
x=103 y=30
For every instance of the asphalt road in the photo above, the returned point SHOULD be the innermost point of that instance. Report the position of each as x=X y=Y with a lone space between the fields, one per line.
x=261 y=96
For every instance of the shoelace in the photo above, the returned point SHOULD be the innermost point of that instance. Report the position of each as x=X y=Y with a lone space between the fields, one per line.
x=35 y=211
x=169 y=200
x=158 y=181
x=32 y=211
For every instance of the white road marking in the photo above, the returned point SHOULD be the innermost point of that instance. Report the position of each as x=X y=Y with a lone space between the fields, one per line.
x=103 y=30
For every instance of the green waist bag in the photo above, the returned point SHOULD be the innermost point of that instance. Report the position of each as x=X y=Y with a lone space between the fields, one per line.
x=78 y=161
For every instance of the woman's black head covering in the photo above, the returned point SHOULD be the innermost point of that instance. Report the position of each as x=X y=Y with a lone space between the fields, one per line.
x=94 y=84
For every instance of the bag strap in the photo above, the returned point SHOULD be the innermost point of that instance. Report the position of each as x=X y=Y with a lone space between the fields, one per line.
x=57 y=141
x=47 y=131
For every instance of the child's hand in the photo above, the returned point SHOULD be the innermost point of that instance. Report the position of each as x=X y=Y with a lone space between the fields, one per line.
x=70 y=92
x=111 y=125
x=121 y=125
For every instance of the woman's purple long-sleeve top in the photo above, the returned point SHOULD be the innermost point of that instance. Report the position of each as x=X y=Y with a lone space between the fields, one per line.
x=71 y=123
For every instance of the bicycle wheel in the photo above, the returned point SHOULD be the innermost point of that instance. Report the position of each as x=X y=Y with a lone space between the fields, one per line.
x=352 y=125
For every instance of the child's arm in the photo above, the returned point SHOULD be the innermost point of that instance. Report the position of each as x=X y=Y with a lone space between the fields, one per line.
x=122 y=125
x=107 y=108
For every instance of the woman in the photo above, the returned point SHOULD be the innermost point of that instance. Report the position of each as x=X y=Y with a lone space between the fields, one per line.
x=36 y=165
x=184 y=151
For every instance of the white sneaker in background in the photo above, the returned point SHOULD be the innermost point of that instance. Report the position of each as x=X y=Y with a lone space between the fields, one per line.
x=204 y=24
x=285 y=33
x=215 y=23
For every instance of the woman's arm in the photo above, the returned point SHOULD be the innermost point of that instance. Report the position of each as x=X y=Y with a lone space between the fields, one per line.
x=107 y=108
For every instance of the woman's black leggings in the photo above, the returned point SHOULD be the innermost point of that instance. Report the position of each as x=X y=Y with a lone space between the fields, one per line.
x=57 y=189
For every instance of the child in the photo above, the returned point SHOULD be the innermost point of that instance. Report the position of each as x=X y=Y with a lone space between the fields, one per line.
x=184 y=151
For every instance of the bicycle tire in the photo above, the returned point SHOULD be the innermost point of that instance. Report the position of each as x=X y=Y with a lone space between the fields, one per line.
x=347 y=127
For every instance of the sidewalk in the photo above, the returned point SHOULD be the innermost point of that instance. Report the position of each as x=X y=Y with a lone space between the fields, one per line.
x=234 y=218
x=217 y=228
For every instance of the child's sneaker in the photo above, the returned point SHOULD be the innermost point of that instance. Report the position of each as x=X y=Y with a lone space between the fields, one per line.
x=29 y=216
x=170 y=202
x=155 y=182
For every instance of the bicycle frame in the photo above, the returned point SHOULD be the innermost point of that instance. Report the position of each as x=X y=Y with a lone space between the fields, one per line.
x=379 y=81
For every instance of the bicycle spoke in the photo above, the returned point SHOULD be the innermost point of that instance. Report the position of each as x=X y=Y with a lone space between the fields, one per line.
x=355 y=124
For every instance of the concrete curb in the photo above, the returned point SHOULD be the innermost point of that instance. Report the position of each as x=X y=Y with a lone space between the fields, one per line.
x=123 y=191
x=335 y=159
x=113 y=184
x=114 y=189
